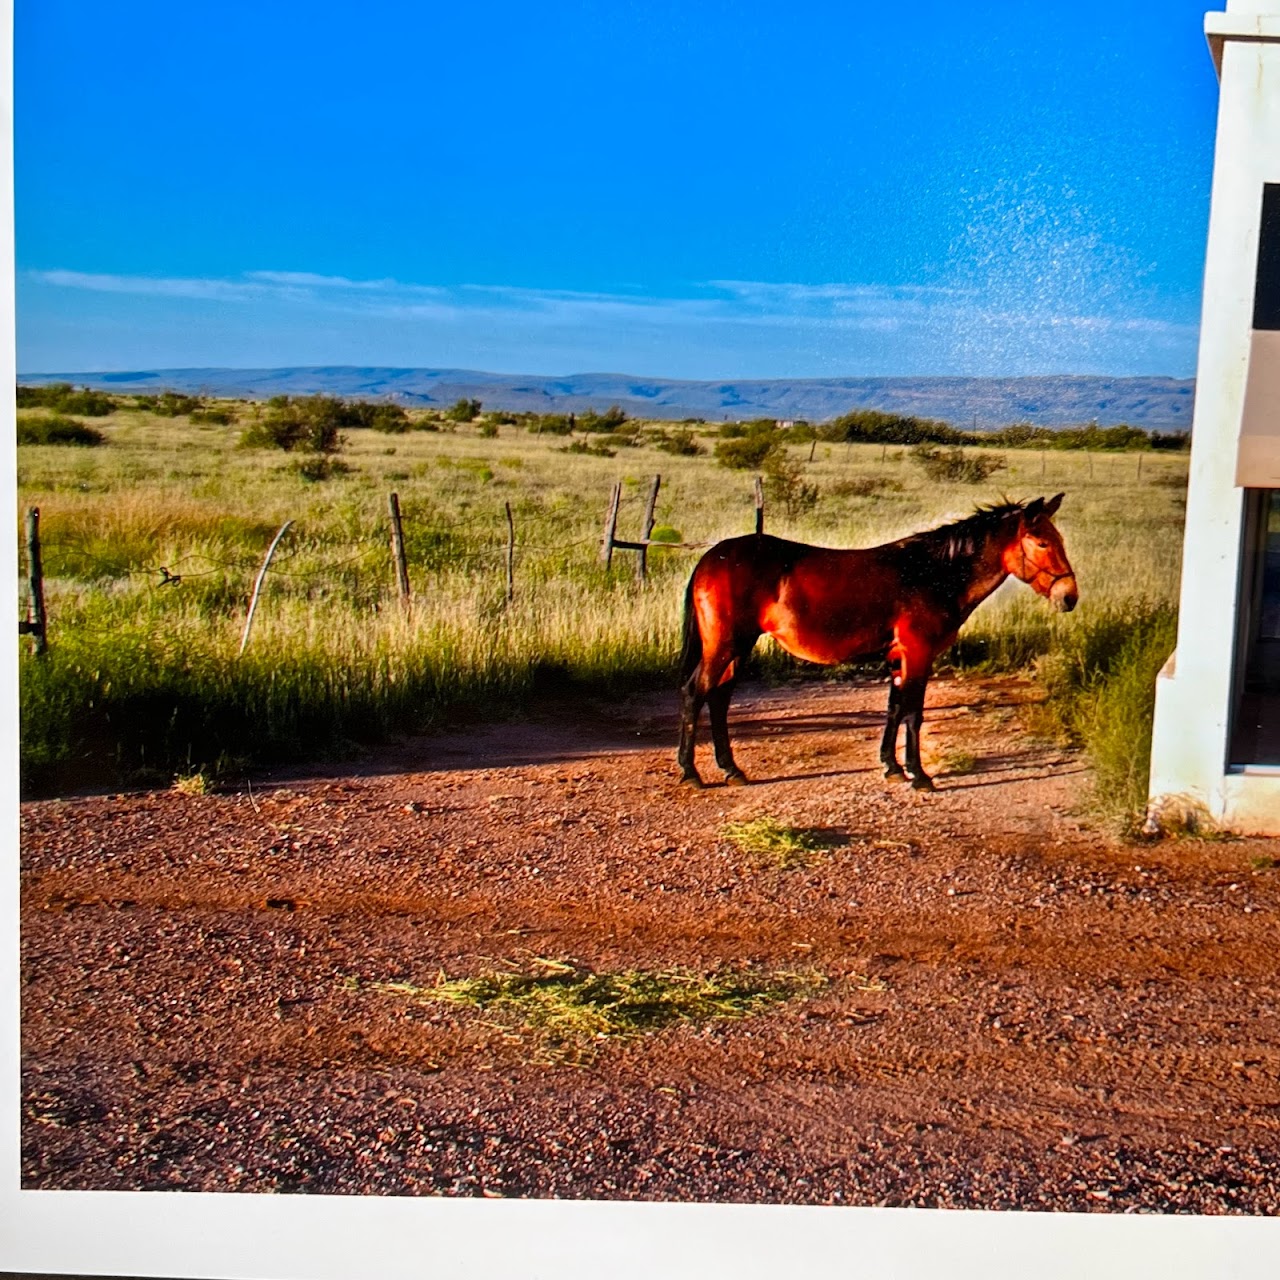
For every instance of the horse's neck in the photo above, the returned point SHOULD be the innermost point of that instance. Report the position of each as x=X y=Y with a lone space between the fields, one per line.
x=987 y=573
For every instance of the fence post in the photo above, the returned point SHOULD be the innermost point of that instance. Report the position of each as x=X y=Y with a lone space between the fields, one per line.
x=610 y=526
x=759 y=505
x=511 y=554
x=37 y=626
x=642 y=566
x=397 y=546
x=1139 y=466
x=257 y=586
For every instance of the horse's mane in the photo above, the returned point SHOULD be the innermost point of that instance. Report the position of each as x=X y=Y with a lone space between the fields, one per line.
x=962 y=538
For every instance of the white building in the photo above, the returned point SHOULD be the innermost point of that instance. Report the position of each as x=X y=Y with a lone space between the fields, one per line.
x=1216 y=744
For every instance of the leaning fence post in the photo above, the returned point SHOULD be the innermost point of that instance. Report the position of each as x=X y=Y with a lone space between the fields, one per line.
x=651 y=507
x=36 y=627
x=511 y=554
x=257 y=586
x=759 y=505
x=397 y=546
x=610 y=525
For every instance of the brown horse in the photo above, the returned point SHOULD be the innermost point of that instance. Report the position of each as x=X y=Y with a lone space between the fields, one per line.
x=903 y=601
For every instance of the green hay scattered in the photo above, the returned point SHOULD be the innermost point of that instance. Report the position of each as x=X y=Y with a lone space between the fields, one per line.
x=777 y=843
x=570 y=1008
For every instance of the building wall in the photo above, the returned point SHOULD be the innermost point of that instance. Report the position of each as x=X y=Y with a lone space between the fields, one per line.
x=1193 y=693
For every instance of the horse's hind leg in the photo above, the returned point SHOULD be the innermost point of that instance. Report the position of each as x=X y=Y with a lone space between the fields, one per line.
x=718 y=710
x=690 y=707
x=711 y=682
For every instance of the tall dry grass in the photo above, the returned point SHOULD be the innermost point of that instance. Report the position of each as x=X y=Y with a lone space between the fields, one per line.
x=142 y=677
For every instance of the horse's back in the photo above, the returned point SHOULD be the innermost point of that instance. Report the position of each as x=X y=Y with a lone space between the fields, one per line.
x=822 y=604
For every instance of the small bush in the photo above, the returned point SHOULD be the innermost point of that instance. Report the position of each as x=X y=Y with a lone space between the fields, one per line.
x=864 y=487
x=215 y=417
x=320 y=467
x=556 y=424
x=34 y=428
x=168 y=404
x=784 y=483
x=746 y=453
x=310 y=423
x=594 y=450
x=62 y=397
x=610 y=420
x=955 y=465
x=682 y=443
x=463 y=410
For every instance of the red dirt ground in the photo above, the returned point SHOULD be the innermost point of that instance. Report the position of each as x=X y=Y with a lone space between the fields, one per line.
x=1020 y=1011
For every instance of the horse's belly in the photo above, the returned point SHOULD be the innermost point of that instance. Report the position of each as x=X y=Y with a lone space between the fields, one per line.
x=824 y=645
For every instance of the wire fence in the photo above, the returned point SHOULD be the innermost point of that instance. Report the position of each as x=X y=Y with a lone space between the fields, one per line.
x=483 y=545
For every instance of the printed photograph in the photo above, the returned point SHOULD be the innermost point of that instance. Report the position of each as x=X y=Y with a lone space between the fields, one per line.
x=651 y=603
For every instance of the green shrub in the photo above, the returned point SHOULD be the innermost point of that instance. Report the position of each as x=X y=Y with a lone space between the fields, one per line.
x=216 y=417
x=610 y=420
x=1102 y=686
x=784 y=483
x=310 y=423
x=871 y=426
x=864 y=487
x=320 y=467
x=556 y=424
x=63 y=398
x=37 y=428
x=747 y=453
x=955 y=465
x=463 y=410
x=680 y=442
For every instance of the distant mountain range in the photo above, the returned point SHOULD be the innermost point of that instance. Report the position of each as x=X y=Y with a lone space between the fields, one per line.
x=1154 y=403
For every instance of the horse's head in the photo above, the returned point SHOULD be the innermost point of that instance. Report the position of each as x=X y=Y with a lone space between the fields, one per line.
x=1036 y=556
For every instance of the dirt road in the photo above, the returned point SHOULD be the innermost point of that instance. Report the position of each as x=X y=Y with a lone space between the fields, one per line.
x=1018 y=1010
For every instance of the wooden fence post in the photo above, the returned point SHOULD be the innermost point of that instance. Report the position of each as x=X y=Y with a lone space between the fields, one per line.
x=610 y=525
x=642 y=567
x=1139 y=466
x=511 y=554
x=397 y=546
x=759 y=505
x=257 y=586
x=37 y=626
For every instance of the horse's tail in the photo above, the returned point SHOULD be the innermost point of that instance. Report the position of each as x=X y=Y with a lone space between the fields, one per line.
x=691 y=650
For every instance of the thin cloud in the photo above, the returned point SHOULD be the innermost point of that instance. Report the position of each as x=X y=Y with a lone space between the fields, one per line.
x=923 y=325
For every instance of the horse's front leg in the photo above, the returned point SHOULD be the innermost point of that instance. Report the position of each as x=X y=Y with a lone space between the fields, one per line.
x=913 y=713
x=889 y=742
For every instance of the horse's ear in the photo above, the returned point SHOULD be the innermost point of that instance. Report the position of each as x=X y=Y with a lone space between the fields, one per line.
x=1053 y=504
x=1032 y=509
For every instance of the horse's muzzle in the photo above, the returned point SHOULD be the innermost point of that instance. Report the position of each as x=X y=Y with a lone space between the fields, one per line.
x=1064 y=595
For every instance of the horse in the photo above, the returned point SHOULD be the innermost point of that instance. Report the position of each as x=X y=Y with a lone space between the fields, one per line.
x=903 y=601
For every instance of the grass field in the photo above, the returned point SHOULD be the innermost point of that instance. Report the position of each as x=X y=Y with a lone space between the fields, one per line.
x=142 y=678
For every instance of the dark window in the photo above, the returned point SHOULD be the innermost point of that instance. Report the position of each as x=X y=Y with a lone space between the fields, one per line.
x=1266 y=293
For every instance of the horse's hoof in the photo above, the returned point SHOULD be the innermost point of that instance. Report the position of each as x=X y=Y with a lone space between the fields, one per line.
x=736 y=778
x=922 y=782
x=894 y=772
x=691 y=780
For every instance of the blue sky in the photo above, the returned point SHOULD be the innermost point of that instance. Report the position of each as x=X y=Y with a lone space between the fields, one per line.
x=704 y=190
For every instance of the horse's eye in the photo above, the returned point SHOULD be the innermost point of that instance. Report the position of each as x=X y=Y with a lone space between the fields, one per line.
x=1044 y=546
